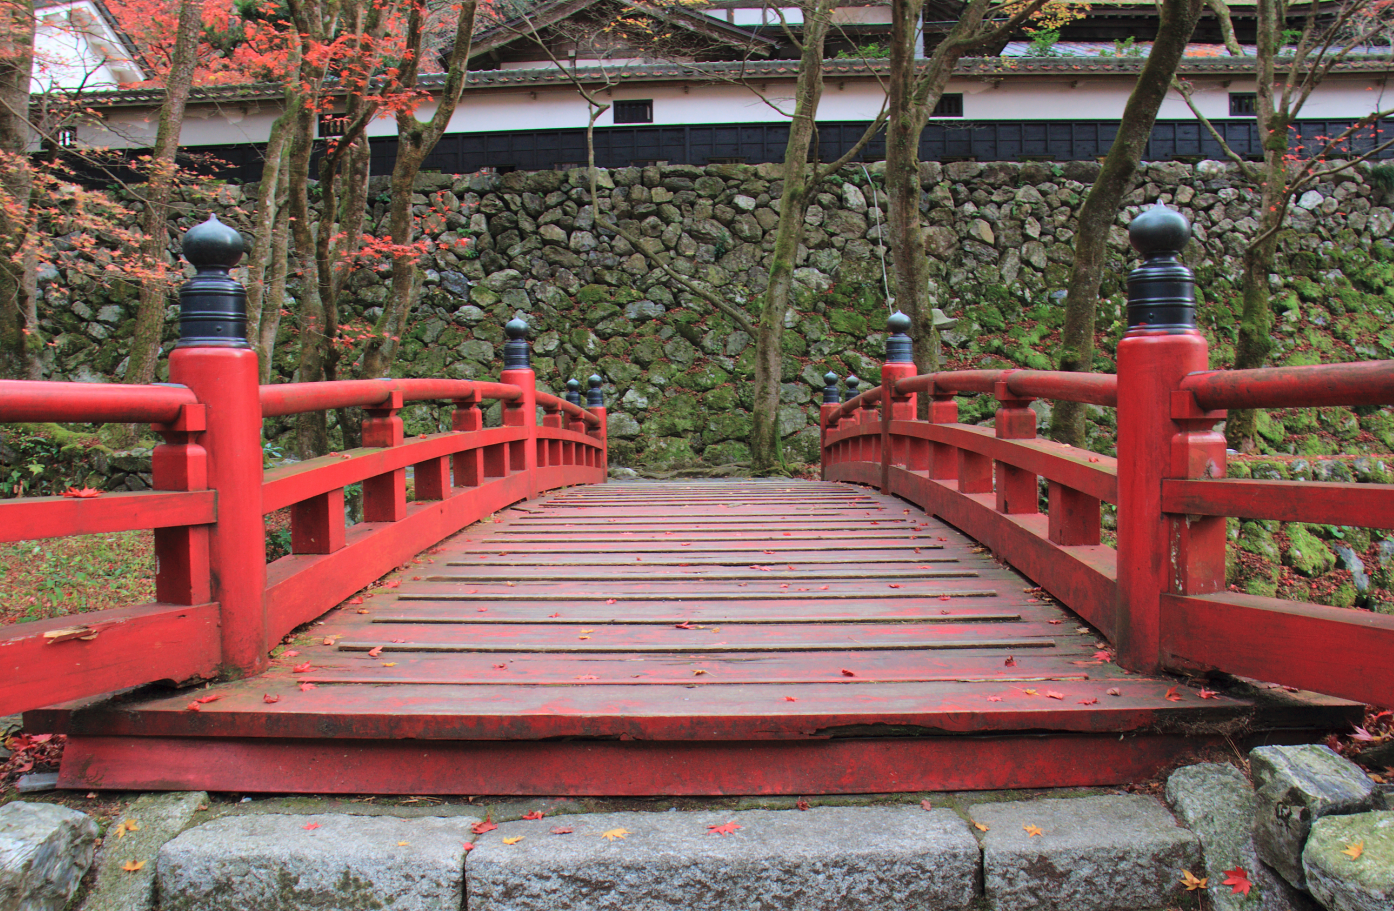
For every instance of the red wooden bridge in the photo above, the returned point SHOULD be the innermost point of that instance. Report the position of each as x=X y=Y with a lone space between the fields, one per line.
x=529 y=629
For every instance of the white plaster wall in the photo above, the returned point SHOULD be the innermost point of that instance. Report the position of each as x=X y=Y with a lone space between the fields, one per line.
x=560 y=107
x=75 y=49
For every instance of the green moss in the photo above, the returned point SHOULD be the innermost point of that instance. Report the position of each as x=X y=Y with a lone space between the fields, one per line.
x=1305 y=552
x=853 y=324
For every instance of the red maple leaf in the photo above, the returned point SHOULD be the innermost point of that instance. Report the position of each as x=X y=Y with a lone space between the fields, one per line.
x=554 y=615
x=686 y=624
x=1238 y=880
x=1010 y=662
x=310 y=826
x=1208 y=694
x=994 y=699
x=269 y=699
x=290 y=654
x=375 y=651
x=306 y=687
x=1093 y=700
x=790 y=699
x=562 y=830
x=1172 y=695
x=300 y=668
x=81 y=493
x=535 y=814
x=801 y=804
x=726 y=829
x=480 y=828
x=847 y=673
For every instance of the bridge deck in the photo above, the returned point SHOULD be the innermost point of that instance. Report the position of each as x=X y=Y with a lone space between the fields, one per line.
x=681 y=637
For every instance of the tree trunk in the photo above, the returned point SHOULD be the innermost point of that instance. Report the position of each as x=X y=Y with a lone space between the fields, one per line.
x=269 y=204
x=312 y=433
x=154 y=220
x=17 y=279
x=906 y=232
x=274 y=300
x=415 y=140
x=1100 y=209
x=765 y=444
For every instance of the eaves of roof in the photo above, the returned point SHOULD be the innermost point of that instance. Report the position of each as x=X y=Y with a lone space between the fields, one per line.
x=706 y=73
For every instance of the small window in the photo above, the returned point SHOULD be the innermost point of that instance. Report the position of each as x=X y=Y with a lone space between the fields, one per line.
x=1243 y=104
x=332 y=125
x=949 y=105
x=634 y=111
x=67 y=137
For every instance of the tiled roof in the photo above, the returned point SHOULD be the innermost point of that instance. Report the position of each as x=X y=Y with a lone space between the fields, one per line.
x=700 y=73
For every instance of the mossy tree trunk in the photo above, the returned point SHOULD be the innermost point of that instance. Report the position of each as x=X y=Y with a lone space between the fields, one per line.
x=17 y=271
x=914 y=91
x=1174 y=27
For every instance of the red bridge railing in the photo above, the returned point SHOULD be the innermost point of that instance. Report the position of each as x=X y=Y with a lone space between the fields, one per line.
x=1160 y=596
x=219 y=606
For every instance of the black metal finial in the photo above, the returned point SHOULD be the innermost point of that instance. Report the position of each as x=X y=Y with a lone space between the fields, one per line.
x=1161 y=291
x=213 y=304
x=594 y=397
x=852 y=384
x=516 y=354
x=899 y=348
x=573 y=391
x=830 y=393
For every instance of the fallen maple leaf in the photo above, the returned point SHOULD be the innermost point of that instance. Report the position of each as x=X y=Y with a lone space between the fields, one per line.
x=612 y=834
x=375 y=651
x=926 y=805
x=1051 y=694
x=1090 y=701
x=790 y=699
x=1361 y=734
x=1192 y=883
x=469 y=845
x=1029 y=692
x=305 y=686
x=894 y=585
x=801 y=804
x=1237 y=880
x=310 y=826
x=1172 y=695
x=1115 y=691
x=726 y=829
x=290 y=654
x=587 y=677
x=300 y=668
x=686 y=624
x=1208 y=694
x=1102 y=655
x=609 y=600
x=847 y=673
x=480 y=828
x=83 y=493
x=392 y=583
x=553 y=615
x=1354 y=850
x=535 y=814
x=1010 y=662
x=514 y=840
x=269 y=699
x=562 y=830
x=1032 y=831
x=994 y=699
x=132 y=866
x=980 y=827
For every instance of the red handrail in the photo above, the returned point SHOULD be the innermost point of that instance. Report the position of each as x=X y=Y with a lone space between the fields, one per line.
x=869 y=399
x=1090 y=388
x=296 y=398
x=91 y=403
x=1366 y=383
x=547 y=400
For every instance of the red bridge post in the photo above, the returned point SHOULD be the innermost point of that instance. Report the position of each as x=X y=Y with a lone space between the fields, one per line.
x=895 y=406
x=827 y=420
x=213 y=359
x=1160 y=347
x=1017 y=489
x=595 y=403
x=517 y=371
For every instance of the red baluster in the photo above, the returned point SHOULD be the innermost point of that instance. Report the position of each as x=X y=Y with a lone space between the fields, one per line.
x=385 y=495
x=1016 y=488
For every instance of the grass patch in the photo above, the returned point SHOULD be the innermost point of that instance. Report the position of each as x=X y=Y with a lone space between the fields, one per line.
x=55 y=577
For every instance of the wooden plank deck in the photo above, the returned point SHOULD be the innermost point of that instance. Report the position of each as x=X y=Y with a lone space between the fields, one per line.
x=680 y=638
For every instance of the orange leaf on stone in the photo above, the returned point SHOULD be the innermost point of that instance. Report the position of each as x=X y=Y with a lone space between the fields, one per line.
x=725 y=829
x=131 y=866
x=84 y=493
x=1032 y=831
x=1354 y=850
x=1172 y=695
x=514 y=840
x=562 y=830
x=310 y=826
x=480 y=828
x=535 y=814
x=269 y=698
x=1192 y=882
x=375 y=651
x=926 y=805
